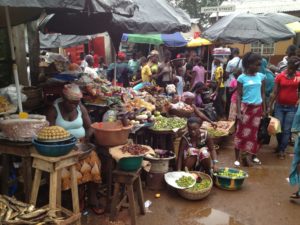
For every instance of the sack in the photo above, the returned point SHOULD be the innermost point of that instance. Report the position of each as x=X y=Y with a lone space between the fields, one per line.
x=263 y=136
x=274 y=126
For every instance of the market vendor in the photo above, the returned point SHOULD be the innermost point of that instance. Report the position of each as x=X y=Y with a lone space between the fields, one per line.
x=165 y=71
x=189 y=98
x=196 y=149
x=70 y=114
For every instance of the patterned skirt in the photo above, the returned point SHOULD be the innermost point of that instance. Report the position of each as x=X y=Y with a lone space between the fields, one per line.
x=246 y=134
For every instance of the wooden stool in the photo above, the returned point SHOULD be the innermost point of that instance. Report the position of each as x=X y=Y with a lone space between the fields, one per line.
x=130 y=180
x=54 y=165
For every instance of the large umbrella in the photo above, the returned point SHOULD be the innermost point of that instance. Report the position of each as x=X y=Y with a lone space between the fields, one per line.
x=198 y=42
x=169 y=40
x=155 y=16
x=282 y=18
x=27 y=10
x=295 y=26
x=247 y=28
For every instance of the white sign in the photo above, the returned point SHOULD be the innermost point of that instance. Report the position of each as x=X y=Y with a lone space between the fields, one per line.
x=213 y=9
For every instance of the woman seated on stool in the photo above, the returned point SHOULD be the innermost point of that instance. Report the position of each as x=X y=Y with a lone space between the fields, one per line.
x=70 y=114
x=196 y=149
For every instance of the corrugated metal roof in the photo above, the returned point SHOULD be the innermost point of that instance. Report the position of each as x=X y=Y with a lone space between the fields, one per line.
x=261 y=6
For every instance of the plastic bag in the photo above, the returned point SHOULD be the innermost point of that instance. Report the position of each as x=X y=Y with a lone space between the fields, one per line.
x=110 y=116
x=274 y=126
x=263 y=136
x=11 y=92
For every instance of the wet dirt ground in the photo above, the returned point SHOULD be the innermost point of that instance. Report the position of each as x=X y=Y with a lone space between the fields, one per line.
x=263 y=199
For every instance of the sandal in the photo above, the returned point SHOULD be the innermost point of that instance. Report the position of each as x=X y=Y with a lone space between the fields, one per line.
x=256 y=161
x=237 y=163
x=295 y=195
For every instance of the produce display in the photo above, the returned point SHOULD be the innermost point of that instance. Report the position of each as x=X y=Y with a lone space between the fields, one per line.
x=182 y=106
x=164 y=123
x=134 y=149
x=223 y=128
x=185 y=181
x=140 y=117
x=152 y=89
x=139 y=103
x=204 y=183
x=53 y=133
x=13 y=211
x=215 y=132
x=233 y=175
x=4 y=104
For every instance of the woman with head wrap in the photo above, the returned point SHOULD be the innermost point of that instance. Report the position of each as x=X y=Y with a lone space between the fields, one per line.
x=69 y=113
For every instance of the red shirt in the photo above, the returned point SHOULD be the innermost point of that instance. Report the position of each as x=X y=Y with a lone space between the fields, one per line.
x=288 y=89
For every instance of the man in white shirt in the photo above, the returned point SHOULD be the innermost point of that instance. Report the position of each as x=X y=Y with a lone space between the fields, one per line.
x=232 y=65
x=89 y=68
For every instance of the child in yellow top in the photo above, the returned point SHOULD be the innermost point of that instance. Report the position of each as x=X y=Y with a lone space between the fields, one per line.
x=145 y=75
x=219 y=93
x=146 y=70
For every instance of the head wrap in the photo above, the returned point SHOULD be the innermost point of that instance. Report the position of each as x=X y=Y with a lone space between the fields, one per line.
x=72 y=92
x=121 y=55
x=187 y=95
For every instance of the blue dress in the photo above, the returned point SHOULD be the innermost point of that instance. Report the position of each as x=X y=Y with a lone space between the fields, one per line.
x=294 y=173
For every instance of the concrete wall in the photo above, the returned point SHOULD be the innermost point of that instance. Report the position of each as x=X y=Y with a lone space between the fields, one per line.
x=279 y=51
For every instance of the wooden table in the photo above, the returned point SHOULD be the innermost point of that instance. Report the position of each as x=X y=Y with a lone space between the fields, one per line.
x=24 y=151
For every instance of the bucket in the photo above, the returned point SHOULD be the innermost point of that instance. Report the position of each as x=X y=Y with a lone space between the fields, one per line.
x=155 y=181
x=159 y=166
x=111 y=133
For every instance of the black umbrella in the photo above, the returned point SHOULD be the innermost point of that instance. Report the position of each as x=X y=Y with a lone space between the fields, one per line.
x=28 y=10
x=282 y=18
x=247 y=28
x=155 y=16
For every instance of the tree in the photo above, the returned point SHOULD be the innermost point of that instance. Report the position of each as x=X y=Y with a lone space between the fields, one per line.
x=193 y=8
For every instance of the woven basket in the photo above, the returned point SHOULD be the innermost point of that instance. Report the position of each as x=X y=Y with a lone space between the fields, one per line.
x=196 y=195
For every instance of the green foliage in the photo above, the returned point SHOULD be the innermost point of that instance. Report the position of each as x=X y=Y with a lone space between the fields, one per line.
x=193 y=8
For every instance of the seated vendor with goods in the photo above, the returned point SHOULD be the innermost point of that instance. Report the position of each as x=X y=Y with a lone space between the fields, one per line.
x=69 y=113
x=196 y=149
x=189 y=98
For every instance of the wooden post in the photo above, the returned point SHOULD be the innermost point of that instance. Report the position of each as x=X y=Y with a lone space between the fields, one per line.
x=19 y=42
x=34 y=51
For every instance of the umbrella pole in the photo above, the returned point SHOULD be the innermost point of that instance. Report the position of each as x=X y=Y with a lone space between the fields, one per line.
x=13 y=57
x=208 y=62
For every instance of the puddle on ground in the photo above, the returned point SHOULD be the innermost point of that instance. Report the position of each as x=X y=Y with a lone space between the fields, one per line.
x=209 y=216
